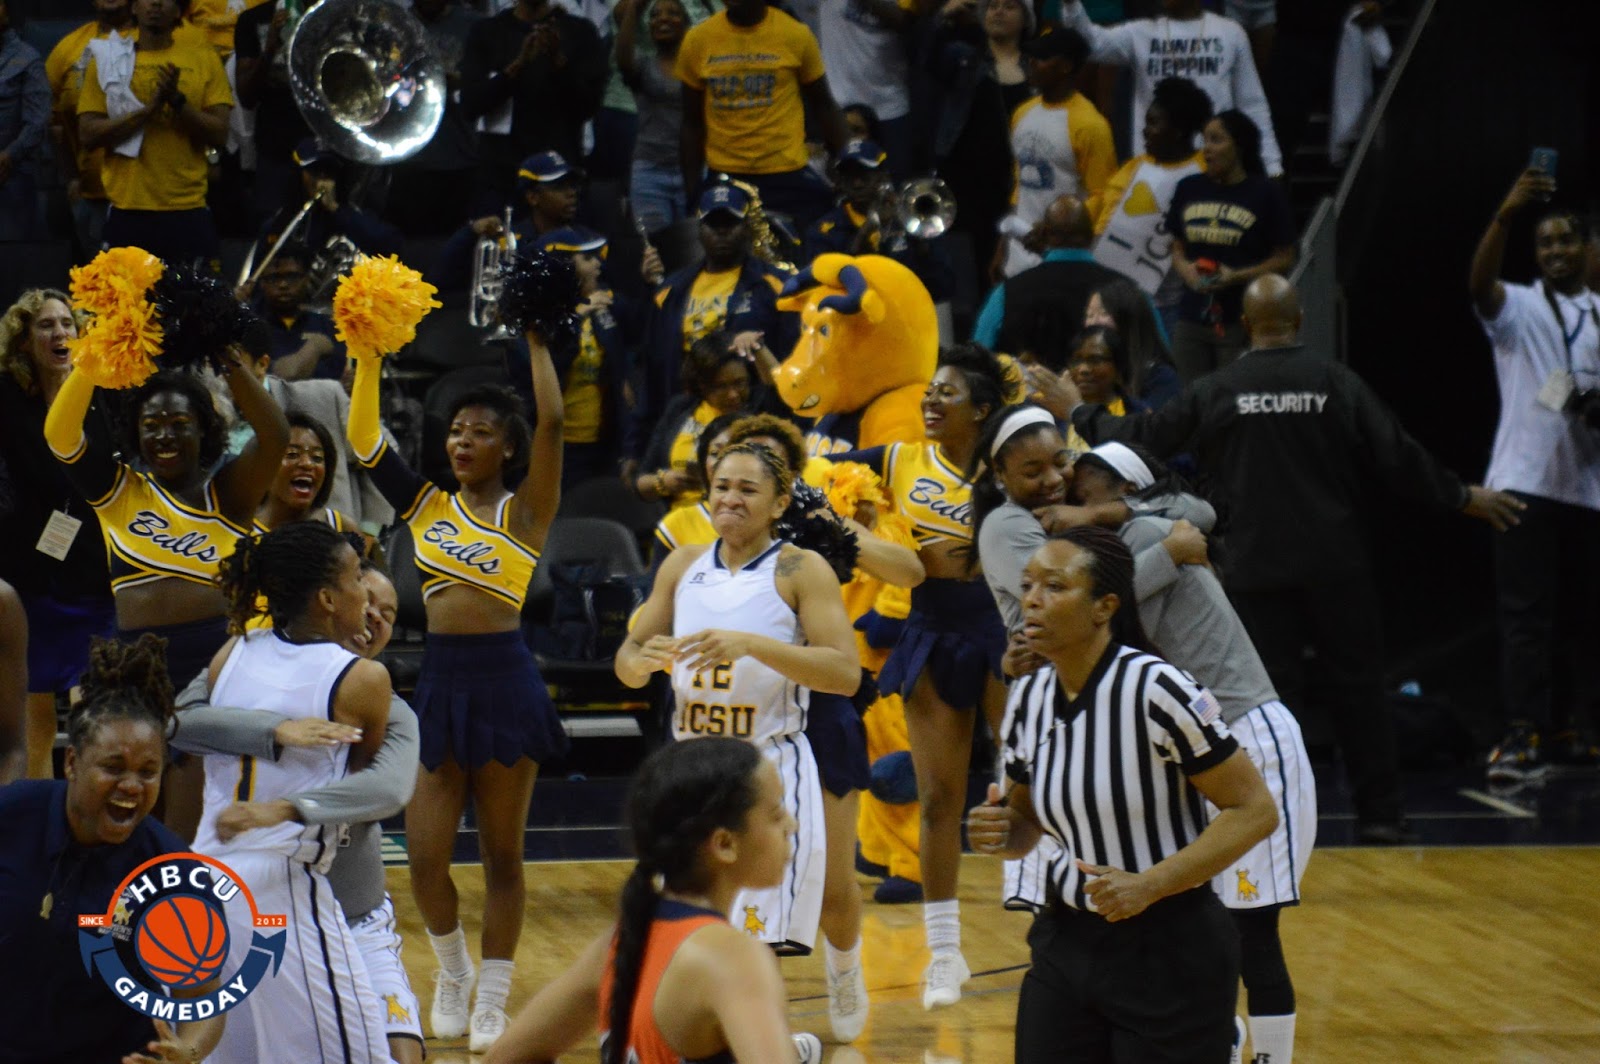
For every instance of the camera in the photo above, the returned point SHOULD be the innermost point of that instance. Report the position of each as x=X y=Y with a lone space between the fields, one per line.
x=1585 y=406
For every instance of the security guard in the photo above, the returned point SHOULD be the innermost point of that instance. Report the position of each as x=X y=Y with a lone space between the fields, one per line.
x=1294 y=441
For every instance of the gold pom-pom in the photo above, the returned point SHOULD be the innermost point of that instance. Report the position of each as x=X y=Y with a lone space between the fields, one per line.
x=1014 y=380
x=114 y=279
x=896 y=528
x=378 y=305
x=851 y=483
x=119 y=349
x=119 y=346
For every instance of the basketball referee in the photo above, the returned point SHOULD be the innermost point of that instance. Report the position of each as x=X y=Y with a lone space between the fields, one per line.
x=1298 y=445
x=1110 y=751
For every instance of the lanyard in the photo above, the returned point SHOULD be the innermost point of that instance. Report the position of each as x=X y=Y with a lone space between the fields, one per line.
x=1569 y=339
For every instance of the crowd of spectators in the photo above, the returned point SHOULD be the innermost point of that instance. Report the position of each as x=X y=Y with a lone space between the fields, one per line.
x=1115 y=163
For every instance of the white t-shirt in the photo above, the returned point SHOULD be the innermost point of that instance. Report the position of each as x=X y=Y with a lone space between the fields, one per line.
x=865 y=60
x=1537 y=450
x=1211 y=51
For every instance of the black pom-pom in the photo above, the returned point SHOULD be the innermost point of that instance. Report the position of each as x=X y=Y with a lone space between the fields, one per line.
x=199 y=316
x=537 y=294
x=811 y=524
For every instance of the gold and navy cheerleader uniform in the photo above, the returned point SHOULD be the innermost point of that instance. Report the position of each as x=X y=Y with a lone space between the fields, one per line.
x=834 y=728
x=150 y=533
x=479 y=697
x=953 y=632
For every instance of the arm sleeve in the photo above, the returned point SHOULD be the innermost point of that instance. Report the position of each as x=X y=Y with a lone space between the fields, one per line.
x=86 y=460
x=687 y=67
x=1393 y=455
x=810 y=57
x=1007 y=541
x=381 y=789
x=1153 y=571
x=1249 y=97
x=874 y=458
x=483 y=86
x=583 y=79
x=1186 y=725
x=993 y=315
x=371 y=234
x=401 y=486
x=1107 y=44
x=1104 y=203
x=35 y=113
x=1017 y=746
x=1167 y=431
x=91 y=97
x=204 y=729
x=1095 y=150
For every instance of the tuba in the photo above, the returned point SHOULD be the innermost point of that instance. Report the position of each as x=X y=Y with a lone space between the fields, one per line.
x=366 y=79
x=923 y=208
x=484 y=306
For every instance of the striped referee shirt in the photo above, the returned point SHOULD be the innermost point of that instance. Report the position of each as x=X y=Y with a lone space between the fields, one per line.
x=1109 y=770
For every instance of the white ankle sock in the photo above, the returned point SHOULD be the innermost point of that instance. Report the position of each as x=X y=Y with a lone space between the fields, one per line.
x=1272 y=1039
x=942 y=920
x=452 y=952
x=494 y=985
x=842 y=960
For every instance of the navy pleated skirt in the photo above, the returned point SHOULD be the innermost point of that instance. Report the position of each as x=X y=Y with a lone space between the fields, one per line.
x=955 y=634
x=480 y=698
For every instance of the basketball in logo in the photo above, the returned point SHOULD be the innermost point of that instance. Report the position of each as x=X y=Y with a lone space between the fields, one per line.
x=182 y=940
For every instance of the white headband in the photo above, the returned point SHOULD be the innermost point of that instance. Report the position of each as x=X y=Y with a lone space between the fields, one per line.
x=1129 y=466
x=1015 y=422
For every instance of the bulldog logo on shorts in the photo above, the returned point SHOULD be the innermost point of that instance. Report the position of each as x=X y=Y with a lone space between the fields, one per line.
x=753 y=924
x=1247 y=889
x=166 y=929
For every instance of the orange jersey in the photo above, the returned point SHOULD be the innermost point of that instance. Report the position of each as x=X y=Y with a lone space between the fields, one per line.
x=674 y=923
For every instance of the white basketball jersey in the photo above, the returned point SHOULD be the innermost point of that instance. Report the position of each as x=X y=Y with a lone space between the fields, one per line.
x=266 y=671
x=743 y=699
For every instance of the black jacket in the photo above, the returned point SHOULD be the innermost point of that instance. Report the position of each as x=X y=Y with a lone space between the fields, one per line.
x=1297 y=444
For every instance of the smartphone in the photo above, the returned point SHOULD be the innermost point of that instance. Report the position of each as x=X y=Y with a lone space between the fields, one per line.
x=1544 y=161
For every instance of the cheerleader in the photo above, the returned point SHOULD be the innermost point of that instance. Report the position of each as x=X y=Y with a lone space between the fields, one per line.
x=168 y=525
x=304 y=481
x=781 y=634
x=946 y=662
x=486 y=718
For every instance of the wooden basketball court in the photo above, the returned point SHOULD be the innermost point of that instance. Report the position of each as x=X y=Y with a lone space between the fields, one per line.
x=1402 y=956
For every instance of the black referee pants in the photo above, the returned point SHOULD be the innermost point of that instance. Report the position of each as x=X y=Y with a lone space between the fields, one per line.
x=1342 y=622
x=1159 y=988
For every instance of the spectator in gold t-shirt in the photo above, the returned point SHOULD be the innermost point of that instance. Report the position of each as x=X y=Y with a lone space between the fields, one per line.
x=156 y=113
x=63 y=68
x=749 y=73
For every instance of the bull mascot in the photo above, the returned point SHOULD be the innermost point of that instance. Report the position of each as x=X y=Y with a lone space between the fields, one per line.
x=869 y=344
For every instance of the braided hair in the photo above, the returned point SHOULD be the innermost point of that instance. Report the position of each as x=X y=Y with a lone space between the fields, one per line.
x=683 y=793
x=287 y=565
x=124 y=681
x=772 y=427
x=1111 y=573
x=782 y=475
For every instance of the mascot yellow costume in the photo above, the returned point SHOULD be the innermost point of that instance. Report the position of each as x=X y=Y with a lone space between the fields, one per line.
x=869 y=344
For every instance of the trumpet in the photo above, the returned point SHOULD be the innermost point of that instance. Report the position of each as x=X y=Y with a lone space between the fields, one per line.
x=489 y=254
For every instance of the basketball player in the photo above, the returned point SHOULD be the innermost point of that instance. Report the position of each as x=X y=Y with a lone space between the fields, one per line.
x=320 y=1006
x=781 y=633
x=361 y=801
x=709 y=820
